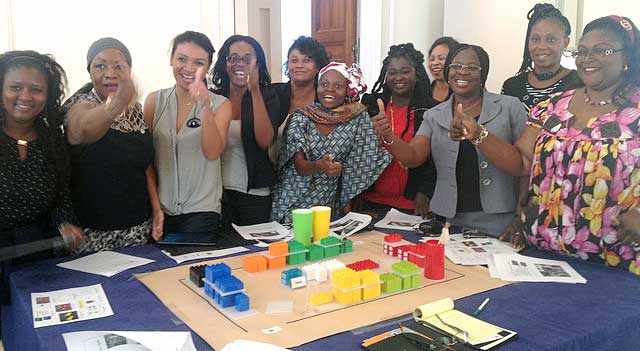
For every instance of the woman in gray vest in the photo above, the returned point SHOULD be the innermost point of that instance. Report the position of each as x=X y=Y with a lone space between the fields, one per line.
x=189 y=125
x=470 y=190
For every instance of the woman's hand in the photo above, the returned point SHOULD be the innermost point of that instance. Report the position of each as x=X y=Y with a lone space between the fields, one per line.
x=629 y=227
x=514 y=232
x=422 y=205
x=253 y=79
x=158 y=224
x=71 y=234
x=198 y=90
x=126 y=92
x=381 y=123
x=327 y=166
x=463 y=126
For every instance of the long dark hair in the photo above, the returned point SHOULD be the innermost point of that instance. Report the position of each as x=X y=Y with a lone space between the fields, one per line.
x=48 y=124
x=194 y=37
x=422 y=89
x=537 y=13
x=630 y=38
x=219 y=71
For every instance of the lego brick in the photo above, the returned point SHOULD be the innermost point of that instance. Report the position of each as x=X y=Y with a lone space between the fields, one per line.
x=241 y=302
x=330 y=241
x=289 y=274
x=362 y=265
x=216 y=271
x=297 y=258
x=229 y=284
x=333 y=265
x=315 y=252
x=315 y=272
x=390 y=238
x=321 y=298
x=298 y=282
x=196 y=275
x=255 y=263
x=276 y=262
x=279 y=248
x=390 y=283
x=347 y=246
x=295 y=246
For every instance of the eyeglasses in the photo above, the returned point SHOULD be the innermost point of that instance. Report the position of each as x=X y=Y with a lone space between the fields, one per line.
x=458 y=67
x=234 y=59
x=596 y=52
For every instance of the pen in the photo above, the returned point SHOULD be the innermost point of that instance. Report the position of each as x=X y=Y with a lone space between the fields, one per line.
x=479 y=309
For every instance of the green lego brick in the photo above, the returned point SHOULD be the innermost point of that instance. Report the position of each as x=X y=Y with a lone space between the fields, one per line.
x=315 y=252
x=331 y=251
x=330 y=240
x=415 y=281
x=295 y=246
x=347 y=246
x=390 y=283
x=405 y=268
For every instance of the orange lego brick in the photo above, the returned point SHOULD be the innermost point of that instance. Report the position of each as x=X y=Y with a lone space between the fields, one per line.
x=278 y=249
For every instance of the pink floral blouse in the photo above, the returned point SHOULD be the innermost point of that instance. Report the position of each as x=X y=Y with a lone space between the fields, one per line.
x=582 y=178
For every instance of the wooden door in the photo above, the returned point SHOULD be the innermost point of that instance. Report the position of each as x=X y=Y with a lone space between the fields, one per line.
x=333 y=23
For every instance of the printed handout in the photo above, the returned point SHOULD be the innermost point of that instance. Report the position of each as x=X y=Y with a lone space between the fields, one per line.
x=397 y=220
x=350 y=224
x=272 y=231
x=474 y=251
x=69 y=305
x=107 y=263
x=128 y=341
x=516 y=267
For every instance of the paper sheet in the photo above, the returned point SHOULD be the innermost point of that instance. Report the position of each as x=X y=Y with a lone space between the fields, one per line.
x=474 y=251
x=244 y=345
x=128 y=341
x=350 y=224
x=272 y=231
x=107 y=263
x=69 y=305
x=397 y=220
x=516 y=267
x=205 y=254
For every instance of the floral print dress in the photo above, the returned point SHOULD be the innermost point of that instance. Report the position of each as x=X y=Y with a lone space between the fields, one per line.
x=580 y=179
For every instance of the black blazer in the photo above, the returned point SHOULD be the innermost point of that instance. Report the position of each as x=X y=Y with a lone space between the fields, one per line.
x=260 y=170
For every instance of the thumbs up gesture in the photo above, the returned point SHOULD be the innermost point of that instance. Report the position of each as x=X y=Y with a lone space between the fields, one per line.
x=463 y=126
x=381 y=123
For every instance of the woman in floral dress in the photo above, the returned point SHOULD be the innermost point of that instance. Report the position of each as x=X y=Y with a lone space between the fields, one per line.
x=582 y=149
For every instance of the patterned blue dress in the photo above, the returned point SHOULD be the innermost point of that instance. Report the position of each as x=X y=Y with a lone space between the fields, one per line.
x=354 y=144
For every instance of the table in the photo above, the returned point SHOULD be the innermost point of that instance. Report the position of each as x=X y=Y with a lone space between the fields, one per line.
x=603 y=314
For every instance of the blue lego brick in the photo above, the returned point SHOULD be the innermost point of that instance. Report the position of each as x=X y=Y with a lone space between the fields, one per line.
x=208 y=290
x=290 y=274
x=227 y=301
x=217 y=271
x=228 y=284
x=241 y=302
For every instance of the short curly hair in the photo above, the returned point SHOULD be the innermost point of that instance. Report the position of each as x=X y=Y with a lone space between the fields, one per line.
x=312 y=49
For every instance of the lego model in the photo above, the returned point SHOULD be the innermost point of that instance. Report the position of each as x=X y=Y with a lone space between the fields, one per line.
x=196 y=275
x=224 y=288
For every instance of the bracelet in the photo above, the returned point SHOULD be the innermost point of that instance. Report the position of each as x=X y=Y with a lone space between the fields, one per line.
x=483 y=135
x=384 y=141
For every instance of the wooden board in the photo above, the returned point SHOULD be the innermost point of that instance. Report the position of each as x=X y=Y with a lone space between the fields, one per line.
x=305 y=323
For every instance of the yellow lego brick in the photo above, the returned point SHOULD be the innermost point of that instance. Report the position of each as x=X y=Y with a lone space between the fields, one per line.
x=369 y=277
x=343 y=297
x=321 y=298
x=371 y=291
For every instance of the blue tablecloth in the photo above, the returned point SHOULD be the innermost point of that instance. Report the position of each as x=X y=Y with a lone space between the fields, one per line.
x=603 y=314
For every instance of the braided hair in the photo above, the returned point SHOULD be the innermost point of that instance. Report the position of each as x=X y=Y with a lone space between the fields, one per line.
x=537 y=13
x=422 y=89
x=48 y=125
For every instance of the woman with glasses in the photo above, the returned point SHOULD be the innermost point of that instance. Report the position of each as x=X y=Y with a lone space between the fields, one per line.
x=240 y=74
x=541 y=73
x=580 y=150
x=331 y=153
x=470 y=191
x=403 y=86
x=189 y=126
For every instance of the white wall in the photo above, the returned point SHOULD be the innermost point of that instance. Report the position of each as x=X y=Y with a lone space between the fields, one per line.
x=498 y=26
x=66 y=29
x=389 y=22
x=296 y=21
x=597 y=8
x=261 y=19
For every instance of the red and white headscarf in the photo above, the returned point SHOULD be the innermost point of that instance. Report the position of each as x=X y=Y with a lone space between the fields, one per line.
x=356 y=84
